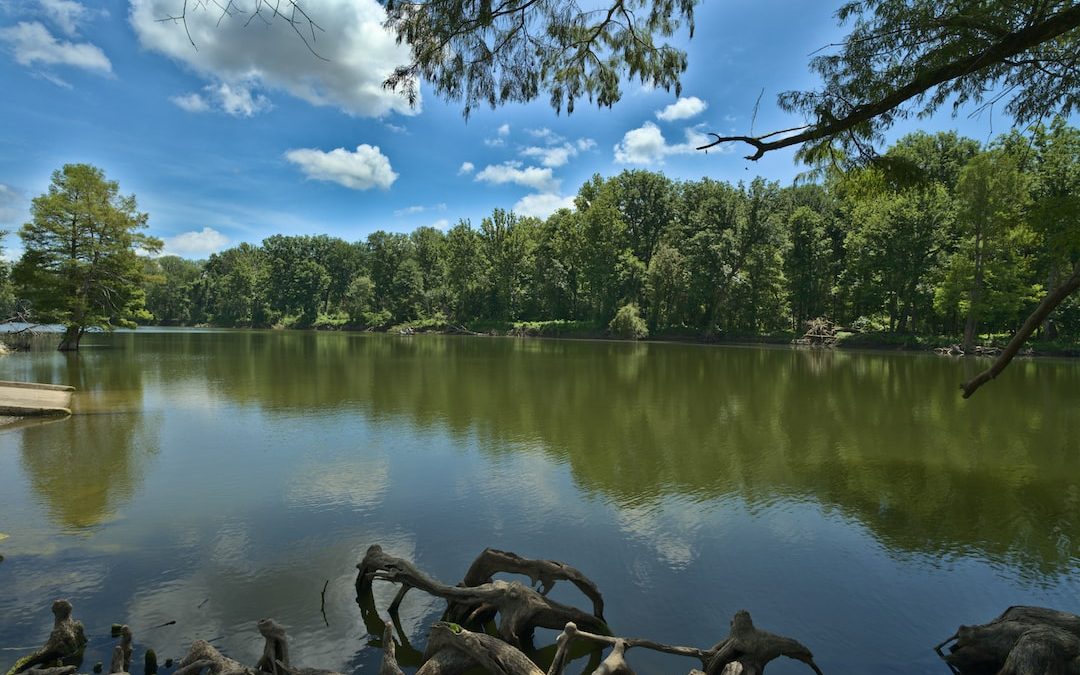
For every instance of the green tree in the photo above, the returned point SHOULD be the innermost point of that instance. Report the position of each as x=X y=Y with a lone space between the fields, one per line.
x=81 y=265
x=628 y=324
x=992 y=195
x=169 y=291
x=7 y=290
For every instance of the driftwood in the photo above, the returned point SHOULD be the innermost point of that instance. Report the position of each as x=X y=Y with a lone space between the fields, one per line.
x=520 y=609
x=452 y=648
x=1022 y=641
x=748 y=649
x=66 y=641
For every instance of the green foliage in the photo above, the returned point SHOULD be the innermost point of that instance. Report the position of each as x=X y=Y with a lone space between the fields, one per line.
x=628 y=324
x=169 y=289
x=481 y=52
x=897 y=248
x=81 y=265
x=909 y=57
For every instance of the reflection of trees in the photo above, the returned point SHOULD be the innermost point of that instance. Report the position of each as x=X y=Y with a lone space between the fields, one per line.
x=884 y=437
x=85 y=467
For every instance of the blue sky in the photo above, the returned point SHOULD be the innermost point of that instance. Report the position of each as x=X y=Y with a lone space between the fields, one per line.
x=250 y=135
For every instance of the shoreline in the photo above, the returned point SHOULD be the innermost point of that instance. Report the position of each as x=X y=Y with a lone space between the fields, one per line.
x=874 y=342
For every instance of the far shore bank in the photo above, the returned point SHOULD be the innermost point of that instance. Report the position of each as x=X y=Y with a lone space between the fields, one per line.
x=577 y=330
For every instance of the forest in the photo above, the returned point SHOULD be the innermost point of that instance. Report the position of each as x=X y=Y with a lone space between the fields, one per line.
x=938 y=236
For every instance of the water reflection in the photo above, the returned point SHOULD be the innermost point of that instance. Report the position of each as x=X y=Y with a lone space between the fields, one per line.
x=884 y=437
x=87 y=467
x=213 y=478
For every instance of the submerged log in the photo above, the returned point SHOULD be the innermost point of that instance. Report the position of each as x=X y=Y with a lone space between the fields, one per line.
x=1022 y=641
x=66 y=641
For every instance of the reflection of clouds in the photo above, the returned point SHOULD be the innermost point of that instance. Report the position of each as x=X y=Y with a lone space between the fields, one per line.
x=526 y=478
x=341 y=483
x=231 y=548
x=244 y=578
x=669 y=527
x=28 y=585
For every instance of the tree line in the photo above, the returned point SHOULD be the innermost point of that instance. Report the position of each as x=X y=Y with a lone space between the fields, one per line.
x=937 y=236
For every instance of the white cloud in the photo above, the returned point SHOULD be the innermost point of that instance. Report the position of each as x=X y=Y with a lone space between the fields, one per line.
x=466 y=168
x=494 y=142
x=647 y=145
x=195 y=244
x=34 y=44
x=359 y=53
x=232 y=99
x=66 y=14
x=511 y=172
x=411 y=210
x=558 y=155
x=553 y=157
x=684 y=108
x=542 y=205
x=363 y=169
x=192 y=102
x=546 y=135
x=504 y=130
x=441 y=224
x=238 y=101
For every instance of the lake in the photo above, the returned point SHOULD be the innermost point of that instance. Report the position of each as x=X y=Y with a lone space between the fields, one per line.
x=850 y=500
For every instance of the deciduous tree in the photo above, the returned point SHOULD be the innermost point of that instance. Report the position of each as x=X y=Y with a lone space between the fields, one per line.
x=82 y=265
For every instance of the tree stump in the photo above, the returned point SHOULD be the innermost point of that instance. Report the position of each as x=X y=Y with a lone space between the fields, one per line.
x=66 y=641
x=1022 y=641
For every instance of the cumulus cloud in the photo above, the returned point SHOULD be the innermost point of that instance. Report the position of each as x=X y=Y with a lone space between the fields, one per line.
x=466 y=168
x=237 y=100
x=504 y=130
x=33 y=44
x=66 y=14
x=441 y=224
x=511 y=172
x=647 y=145
x=557 y=155
x=195 y=244
x=363 y=169
x=359 y=53
x=684 y=108
x=542 y=205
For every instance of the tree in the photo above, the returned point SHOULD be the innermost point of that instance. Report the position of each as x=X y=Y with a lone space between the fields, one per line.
x=900 y=58
x=81 y=267
x=993 y=195
x=169 y=291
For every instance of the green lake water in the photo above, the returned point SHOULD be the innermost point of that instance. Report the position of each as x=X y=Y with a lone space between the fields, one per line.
x=851 y=500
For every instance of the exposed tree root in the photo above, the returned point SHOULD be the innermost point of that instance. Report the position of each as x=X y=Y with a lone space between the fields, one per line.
x=1022 y=641
x=520 y=609
x=66 y=641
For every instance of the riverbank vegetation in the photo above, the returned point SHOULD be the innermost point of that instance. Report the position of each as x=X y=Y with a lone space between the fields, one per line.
x=939 y=239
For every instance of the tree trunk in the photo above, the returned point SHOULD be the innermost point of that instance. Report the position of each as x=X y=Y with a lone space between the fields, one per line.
x=974 y=298
x=70 y=341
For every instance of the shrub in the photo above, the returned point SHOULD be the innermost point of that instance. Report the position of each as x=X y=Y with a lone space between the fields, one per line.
x=628 y=323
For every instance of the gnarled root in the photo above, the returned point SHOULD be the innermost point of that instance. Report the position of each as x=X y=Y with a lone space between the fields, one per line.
x=202 y=656
x=66 y=641
x=545 y=572
x=748 y=649
x=1022 y=641
x=520 y=609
